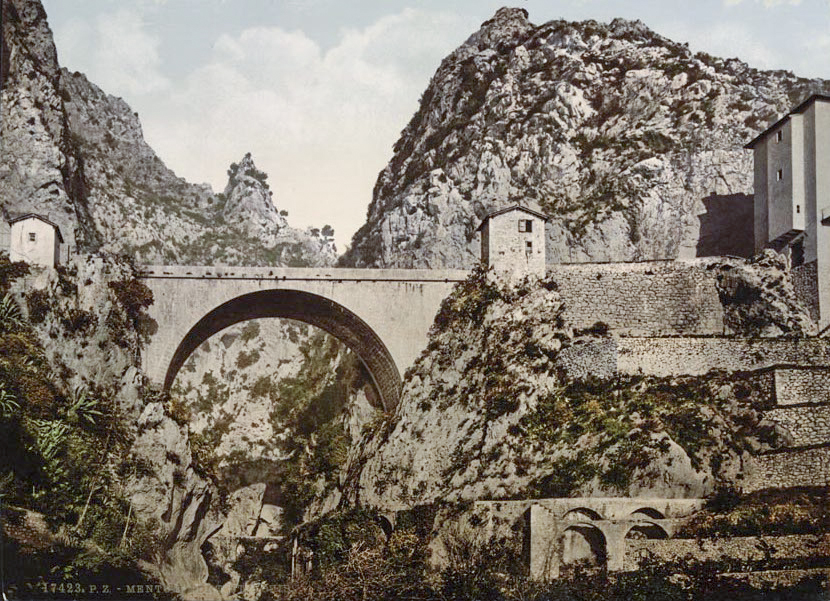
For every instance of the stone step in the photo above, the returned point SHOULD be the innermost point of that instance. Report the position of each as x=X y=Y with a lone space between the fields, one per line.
x=804 y=426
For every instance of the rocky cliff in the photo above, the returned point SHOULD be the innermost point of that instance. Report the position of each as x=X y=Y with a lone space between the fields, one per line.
x=488 y=412
x=77 y=154
x=631 y=143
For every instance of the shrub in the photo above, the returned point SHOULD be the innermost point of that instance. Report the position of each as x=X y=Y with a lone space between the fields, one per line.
x=133 y=296
x=37 y=301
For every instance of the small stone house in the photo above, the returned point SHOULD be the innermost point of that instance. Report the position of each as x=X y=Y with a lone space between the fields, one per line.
x=513 y=241
x=36 y=240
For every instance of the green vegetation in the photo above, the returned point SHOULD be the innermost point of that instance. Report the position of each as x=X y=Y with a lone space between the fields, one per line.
x=356 y=560
x=63 y=460
x=766 y=512
x=621 y=417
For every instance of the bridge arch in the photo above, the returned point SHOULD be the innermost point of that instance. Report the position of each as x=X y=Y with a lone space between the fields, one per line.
x=309 y=308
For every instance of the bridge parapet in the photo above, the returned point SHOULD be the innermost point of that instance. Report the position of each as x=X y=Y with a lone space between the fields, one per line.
x=334 y=274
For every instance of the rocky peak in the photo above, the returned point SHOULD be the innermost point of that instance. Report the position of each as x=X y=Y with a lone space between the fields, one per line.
x=248 y=198
x=630 y=143
x=30 y=38
x=502 y=31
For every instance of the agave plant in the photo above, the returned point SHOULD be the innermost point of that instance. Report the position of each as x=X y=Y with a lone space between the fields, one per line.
x=10 y=316
x=50 y=436
x=8 y=404
x=82 y=406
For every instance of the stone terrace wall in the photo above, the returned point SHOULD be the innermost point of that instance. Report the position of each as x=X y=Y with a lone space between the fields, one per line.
x=749 y=548
x=802 y=385
x=805 y=282
x=641 y=299
x=606 y=356
x=805 y=426
x=809 y=467
x=697 y=356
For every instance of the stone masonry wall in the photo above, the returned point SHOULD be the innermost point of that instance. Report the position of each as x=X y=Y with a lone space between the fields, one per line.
x=641 y=299
x=809 y=467
x=605 y=356
x=697 y=356
x=805 y=282
x=743 y=549
x=804 y=426
x=794 y=385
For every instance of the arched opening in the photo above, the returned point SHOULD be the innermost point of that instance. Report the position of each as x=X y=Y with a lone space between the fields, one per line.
x=581 y=514
x=585 y=545
x=305 y=307
x=646 y=531
x=648 y=512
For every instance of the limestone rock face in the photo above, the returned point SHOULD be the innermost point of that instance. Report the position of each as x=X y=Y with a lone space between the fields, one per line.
x=632 y=144
x=40 y=169
x=487 y=413
x=249 y=201
x=77 y=155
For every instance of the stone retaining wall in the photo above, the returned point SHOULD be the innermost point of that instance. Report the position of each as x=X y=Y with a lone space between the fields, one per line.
x=742 y=549
x=641 y=299
x=808 y=467
x=805 y=426
x=805 y=283
x=672 y=356
x=697 y=356
x=802 y=385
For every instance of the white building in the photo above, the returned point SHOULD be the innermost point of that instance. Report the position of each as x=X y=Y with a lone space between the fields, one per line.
x=35 y=239
x=513 y=241
x=792 y=198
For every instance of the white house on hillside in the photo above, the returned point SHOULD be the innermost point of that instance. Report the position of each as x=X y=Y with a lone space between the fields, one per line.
x=36 y=240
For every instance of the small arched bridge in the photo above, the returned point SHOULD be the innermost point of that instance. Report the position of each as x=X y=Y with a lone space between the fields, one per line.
x=383 y=315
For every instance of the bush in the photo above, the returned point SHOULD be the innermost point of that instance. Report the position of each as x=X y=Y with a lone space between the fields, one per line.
x=133 y=296
x=37 y=301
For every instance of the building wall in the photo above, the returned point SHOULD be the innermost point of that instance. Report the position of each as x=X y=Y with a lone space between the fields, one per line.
x=641 y=299
x=45 y=250
x=761 y=200
x=779 y=193
x=805 y=283
x=819 y=172
x=507 y=245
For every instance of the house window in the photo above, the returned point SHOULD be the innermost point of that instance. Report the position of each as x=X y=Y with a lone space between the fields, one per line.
x=779 y=136
x=528 y=247
x=32 y=236
x=779 y=175
x=798 y=208
x=525 y=225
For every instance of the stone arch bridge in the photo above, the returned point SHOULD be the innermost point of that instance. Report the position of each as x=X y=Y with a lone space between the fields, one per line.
x=383 y=315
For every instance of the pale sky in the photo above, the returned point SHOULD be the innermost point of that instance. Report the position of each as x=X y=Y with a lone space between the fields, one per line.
x=319 y=90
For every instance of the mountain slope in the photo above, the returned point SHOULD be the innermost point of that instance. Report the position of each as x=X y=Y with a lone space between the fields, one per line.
x=631 y=143
x=77 y=154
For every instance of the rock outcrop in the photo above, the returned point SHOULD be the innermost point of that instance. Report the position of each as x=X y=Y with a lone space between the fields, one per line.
x=488 y=413
x=76 y=154
x=631 y=143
